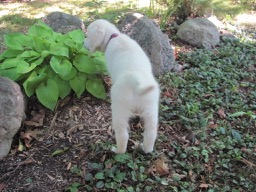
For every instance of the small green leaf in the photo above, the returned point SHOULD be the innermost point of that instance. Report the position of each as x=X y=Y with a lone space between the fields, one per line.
x=99 y=175
x=122 y=158
x=119 y=177
x=60 y=151
x=96 y=166
x=48 y=93
x=236 y=135
x=74 y=187
x=130 y=189
x=95 y=86
x=100 y=184
x=237 y=114
x=164 y=182
x=78 y=83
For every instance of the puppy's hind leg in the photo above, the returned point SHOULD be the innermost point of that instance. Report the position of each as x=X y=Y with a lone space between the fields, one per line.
x=150 y=132
x=120 y=127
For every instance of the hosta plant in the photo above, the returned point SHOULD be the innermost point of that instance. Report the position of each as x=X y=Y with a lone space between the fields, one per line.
x=51 y=65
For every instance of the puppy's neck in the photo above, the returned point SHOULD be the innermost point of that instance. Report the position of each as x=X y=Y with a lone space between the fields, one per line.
x=114 y=35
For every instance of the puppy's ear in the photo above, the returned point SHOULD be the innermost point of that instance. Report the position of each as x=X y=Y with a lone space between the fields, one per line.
x=97 y=34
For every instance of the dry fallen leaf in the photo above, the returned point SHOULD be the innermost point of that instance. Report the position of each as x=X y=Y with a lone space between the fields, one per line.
x=29 y=135
x=161 y=167
x=69 y=165
x=37 y=120
x=2 y=186
x=221 y=113
x=74 y=129
x=213 y=125
x=204 y=185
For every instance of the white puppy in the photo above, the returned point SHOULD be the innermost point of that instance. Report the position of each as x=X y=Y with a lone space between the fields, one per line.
x=134 y=89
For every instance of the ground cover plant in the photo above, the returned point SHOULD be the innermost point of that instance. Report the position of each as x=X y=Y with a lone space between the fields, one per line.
x=206 y=139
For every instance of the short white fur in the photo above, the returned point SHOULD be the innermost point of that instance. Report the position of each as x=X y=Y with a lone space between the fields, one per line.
x=134 y=89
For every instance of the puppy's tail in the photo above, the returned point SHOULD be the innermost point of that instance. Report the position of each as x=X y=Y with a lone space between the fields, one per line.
x=141 y=86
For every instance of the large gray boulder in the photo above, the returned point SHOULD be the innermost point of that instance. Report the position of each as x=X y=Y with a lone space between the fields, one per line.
x=149 y=36
x=12 y=112
x=199 y=32
x=63 y=22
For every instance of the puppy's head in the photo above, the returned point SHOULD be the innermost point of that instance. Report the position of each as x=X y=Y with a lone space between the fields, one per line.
x=95 y=36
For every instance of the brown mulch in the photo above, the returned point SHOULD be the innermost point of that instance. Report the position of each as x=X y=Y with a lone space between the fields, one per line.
x=75 y=125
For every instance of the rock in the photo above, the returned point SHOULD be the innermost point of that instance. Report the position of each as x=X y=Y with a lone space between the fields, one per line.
x=63 y=22
x=149 y=36
x=12 y=113
x=199 y=32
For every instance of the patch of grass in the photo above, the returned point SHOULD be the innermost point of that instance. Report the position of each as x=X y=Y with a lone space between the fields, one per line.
x=223 y=8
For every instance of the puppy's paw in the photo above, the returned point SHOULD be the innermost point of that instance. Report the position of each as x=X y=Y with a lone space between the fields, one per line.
x=145 y=149
x=116 y=151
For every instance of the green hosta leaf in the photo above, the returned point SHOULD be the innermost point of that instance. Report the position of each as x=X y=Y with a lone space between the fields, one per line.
x=100 y=63
x=29 y=54
x=59 y=49
x=17 y=41
x=95 y=86
x=10 y=63
x=71 y=43
x=33 y=81
x=42 y=24
x=80 y=48
x=39 y=61
x=40 y=44
x=50 y=72
x=77 y=35
x=9 y=53
x=10 y=73
x=78 y=83
x=61 y=66
x=48 y=93
x=63 y=85
x=24 y=67
x=41 y=32
x=71 y=74
x=85 y=64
